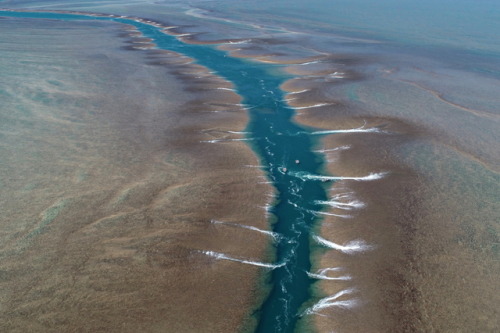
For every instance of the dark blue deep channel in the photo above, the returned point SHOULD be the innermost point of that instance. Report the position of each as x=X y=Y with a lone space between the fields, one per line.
x=279 y=142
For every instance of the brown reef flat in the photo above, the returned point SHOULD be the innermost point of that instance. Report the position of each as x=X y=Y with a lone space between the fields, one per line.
x=430 y=260
x=110 y=183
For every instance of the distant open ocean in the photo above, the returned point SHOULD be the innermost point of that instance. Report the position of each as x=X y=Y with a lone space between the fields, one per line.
x=253 y=166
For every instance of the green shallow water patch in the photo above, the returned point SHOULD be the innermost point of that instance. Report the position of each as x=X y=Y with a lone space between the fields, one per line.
x=48 y=216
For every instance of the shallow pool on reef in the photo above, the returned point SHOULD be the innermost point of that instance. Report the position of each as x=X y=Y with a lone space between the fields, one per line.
x=284 y=148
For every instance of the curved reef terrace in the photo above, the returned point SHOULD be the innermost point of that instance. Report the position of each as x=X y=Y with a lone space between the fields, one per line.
x=216 y=186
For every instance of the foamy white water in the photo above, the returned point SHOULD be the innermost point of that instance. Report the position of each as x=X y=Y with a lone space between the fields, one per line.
x=298 y=92
x=342 y=196
x=263 y=180
x=330 y=269
x=351 y=247
x=333 y=149
x=350 y=205
x=272 y=234
x=316 y=212
x=337 y=75
x=226 y=140
x=350 y=130
x=307 y=176
x=237 y=132
x=309 y=62
x=224 y=88
x=331 y=301
x=310 y=107
x=222 y=256
x=244 y=41
x=320 y=276
x=266 y=207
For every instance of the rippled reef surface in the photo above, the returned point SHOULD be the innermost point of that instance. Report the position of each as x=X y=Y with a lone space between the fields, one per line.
x=108 y=193
x=411 y=248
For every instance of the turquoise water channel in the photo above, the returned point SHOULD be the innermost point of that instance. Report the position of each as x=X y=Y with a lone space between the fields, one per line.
x=279 y=142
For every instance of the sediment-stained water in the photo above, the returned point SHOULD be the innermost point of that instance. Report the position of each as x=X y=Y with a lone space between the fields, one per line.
x=387 y=203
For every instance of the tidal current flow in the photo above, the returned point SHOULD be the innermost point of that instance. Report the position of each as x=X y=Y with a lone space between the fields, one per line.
x=280 y=143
